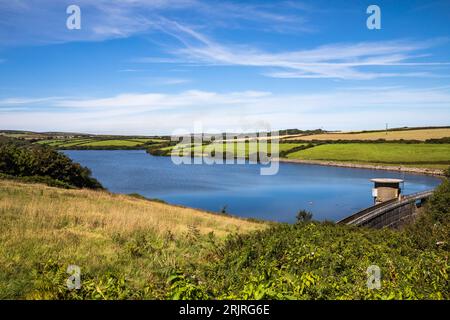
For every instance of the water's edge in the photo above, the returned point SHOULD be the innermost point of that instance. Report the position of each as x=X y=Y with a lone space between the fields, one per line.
x=415 y=170
x=426 y=171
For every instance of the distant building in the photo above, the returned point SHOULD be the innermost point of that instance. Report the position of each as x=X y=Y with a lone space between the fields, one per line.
x=386 y=189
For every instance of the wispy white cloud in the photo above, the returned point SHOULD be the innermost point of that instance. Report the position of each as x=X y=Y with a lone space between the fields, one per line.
x=168 y=81
x=158 y=101
x=26 y=101
x=145 y=113
x=342 y=60
x=43 y=21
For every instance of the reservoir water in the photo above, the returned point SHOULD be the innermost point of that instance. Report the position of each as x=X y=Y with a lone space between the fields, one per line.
x=330 y=193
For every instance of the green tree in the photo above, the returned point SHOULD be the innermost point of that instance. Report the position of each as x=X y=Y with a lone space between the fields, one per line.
x=304 y=216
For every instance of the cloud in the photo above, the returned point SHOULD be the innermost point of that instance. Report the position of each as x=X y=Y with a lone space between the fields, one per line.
x=156 y=113
x=26 y=22
x=158 y=101
x=43 y=21
x=355 y=61
x=161 y=81
x=26 y=101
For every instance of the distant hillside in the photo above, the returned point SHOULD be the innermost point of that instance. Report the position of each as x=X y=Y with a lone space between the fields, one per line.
x=419 y=134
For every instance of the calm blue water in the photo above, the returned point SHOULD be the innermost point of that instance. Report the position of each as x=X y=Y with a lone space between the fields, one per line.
x=328 y=192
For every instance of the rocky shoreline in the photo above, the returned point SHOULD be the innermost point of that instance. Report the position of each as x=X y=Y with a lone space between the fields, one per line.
x=426 y=171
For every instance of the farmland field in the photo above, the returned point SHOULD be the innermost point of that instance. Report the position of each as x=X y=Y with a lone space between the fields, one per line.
x=416 y=134
x=392 y=153
x=238 y=148
x=105 y=143
x=89 y=142
x=64 y=142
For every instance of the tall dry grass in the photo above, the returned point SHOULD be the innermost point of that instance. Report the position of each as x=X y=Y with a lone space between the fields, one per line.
x=106 y=213
x=100 y=232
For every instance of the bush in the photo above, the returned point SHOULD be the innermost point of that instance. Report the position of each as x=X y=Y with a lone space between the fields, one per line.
x=51 y=283
x=22 y=159
x=447 y=173
x=432 y=227
x=324 y=261
x=304 y=216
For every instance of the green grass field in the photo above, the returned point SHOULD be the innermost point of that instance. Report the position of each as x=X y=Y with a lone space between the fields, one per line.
x=391 y=153
x=64 y=142
x=114 y=143
x=240 y=149
x=98 y=142
x=421 y=155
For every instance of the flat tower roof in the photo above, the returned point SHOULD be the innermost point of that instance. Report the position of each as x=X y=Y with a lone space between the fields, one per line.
x=386 y=180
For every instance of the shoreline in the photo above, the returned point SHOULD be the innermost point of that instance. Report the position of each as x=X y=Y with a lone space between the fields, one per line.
x=329 y=163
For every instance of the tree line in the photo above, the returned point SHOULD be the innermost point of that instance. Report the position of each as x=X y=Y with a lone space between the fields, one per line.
x=25 y=161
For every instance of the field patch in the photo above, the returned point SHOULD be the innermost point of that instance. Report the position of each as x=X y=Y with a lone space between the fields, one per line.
x=415 y=134
x=113 y=143
x=392 y=153
x=239 y=149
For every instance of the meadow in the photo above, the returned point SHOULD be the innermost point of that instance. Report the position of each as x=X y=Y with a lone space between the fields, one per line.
x=238 y=149
x=383 y=153
x=143 y=241
x=96 y=142
x=411 y=134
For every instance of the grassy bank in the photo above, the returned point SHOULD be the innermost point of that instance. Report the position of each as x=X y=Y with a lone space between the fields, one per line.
x=421 y=154
x=135 y=240
x=132 y=248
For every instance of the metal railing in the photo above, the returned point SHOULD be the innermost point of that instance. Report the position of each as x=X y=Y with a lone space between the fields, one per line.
x=381 y=208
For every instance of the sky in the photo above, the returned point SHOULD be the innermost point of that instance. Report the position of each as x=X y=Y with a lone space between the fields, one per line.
x=160 y=66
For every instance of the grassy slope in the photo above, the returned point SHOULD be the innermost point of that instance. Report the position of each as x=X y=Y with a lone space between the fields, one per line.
x=419 y=134
x=128 y=248
x=238 y=148
x=389 y=153
x=100 y=232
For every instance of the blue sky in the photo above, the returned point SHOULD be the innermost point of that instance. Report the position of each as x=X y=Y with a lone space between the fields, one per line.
x=150 y=67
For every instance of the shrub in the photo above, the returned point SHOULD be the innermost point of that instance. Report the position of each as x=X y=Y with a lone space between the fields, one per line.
x=447 y=173
x=304 y=216
x=43 y=164
x=432 y=227
x=51 y=283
